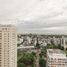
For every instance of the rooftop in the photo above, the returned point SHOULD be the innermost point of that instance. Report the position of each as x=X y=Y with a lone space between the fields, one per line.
x=1 y=25
x=25 y=47
x=56 y=53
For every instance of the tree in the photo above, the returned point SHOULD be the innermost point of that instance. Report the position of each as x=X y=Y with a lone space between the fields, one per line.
x=26 y=59
x=42 y=62
x=62 y=48
x=21 y=65
x=34 y=53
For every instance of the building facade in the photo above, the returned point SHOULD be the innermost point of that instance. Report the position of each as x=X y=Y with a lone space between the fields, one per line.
x=64 y=42
x=8 y=46
x=56 y=58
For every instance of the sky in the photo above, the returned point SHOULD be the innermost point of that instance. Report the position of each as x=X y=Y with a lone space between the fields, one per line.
x=35 y=16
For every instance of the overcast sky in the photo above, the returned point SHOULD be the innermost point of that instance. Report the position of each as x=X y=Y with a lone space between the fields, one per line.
x=37 y=16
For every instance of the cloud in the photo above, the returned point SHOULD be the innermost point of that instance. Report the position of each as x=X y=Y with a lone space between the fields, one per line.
x=31 y=9
x=35 y=15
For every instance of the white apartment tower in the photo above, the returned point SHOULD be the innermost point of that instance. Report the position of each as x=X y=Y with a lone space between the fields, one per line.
x=8 y=46
x=64 y=42
x=56 y=58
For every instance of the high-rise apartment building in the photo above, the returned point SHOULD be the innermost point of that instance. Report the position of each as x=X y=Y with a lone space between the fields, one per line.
x=8 y=46
x=64 y=42
x=56 y=58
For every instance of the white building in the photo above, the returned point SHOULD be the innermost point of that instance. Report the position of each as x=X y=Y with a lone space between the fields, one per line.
x=29 y=39
x=56 y=58
x=8 y=46
x=64 y=42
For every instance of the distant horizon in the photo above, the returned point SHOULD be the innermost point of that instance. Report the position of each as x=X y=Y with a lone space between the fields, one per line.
x=41 y=33
x=37 y=32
